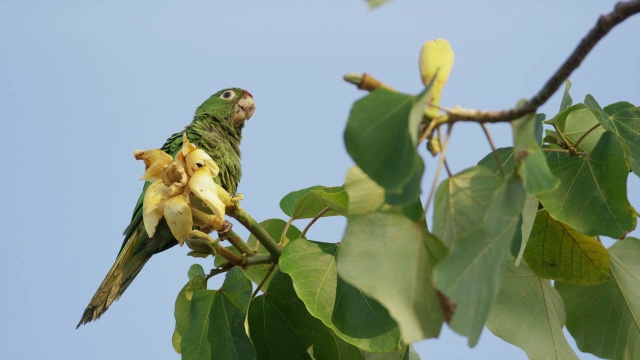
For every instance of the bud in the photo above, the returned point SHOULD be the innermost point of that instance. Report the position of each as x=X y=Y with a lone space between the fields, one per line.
x=436 y=61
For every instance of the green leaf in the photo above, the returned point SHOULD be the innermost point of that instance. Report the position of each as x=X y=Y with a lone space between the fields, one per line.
x=533 y=168
x=556 y=251
x=365 y=195
x=195 y=343
x=410 y=190
x=616 y=107
x=403 y=286
x=535 y=173
x=353 y=316
x=216 y=324
x=592 y=195
x=528 y=219
x=578 y=123
x=623 y=119
x=461 y=203
x=406 y=353
x=227 y=336
x=416 y=115
x=195 y=270
x=471 y=274
x=529 y=314
x=507 y=161
x=346 y=350
x=605 y=319
x=524 y=133
x=566 y=98
x=282 y=328
x=183 y=306
x=379 y=140
x=627 y=123
x=275 y=228
x=307 y=203
x=560 y=118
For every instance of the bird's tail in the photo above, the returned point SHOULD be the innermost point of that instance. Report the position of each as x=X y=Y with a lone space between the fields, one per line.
x=128 y=264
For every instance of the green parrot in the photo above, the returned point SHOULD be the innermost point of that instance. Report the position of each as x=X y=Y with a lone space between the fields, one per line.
x=217 y=129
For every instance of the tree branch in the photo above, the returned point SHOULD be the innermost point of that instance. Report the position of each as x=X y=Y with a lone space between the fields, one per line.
x=258 y=231
x=605 y=23
x=254 y=260
x=238 y=243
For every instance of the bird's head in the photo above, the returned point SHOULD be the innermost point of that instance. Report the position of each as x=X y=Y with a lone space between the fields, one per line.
x=234 y=105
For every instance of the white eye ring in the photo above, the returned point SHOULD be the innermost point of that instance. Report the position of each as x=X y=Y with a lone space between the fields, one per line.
x=228 y=95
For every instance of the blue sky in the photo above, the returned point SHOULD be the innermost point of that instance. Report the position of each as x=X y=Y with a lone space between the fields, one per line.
x=83 y=84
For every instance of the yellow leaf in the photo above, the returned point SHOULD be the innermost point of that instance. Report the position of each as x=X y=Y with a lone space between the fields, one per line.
x=436 y=59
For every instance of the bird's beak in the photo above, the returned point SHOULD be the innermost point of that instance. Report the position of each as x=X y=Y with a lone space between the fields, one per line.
x=244 y=109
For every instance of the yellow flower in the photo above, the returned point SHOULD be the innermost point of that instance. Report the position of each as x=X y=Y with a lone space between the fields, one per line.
x=174 y=182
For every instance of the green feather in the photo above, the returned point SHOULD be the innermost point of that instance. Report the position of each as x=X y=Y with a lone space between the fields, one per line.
x=213 y=129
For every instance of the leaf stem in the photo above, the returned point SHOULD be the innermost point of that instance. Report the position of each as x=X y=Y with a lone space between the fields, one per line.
x=585 y=135
x=286 y=230
x=564 y=139
x=440 y=164
x=254 y=260
x=238 y=243
x=264 y=280
x=322 y=212
x=493 y=148
x=566 y=151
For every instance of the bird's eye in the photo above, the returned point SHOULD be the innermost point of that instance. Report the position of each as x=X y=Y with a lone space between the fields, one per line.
x=228 y=95
x=199 y=164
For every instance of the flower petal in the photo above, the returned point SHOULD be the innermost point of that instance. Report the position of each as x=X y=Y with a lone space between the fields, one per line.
x=154 y=161
x=152 y=206
x=199 y=158
x=178 y=215
x=180 y=160
x=187 y=146
x=203 y=186
x=175 y=178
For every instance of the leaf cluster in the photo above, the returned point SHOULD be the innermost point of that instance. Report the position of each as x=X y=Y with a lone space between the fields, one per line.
x=514 y=246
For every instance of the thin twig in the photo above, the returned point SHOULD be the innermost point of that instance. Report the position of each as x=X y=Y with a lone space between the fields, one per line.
x=440 y=163
x=285 y=231
x=585 y=135
x=227 y=254
x=219 y=270
x=566 y=151
x=493 y=148
x=322 y=212
x=446 y=164
x=264 y=280
x=254 y=260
